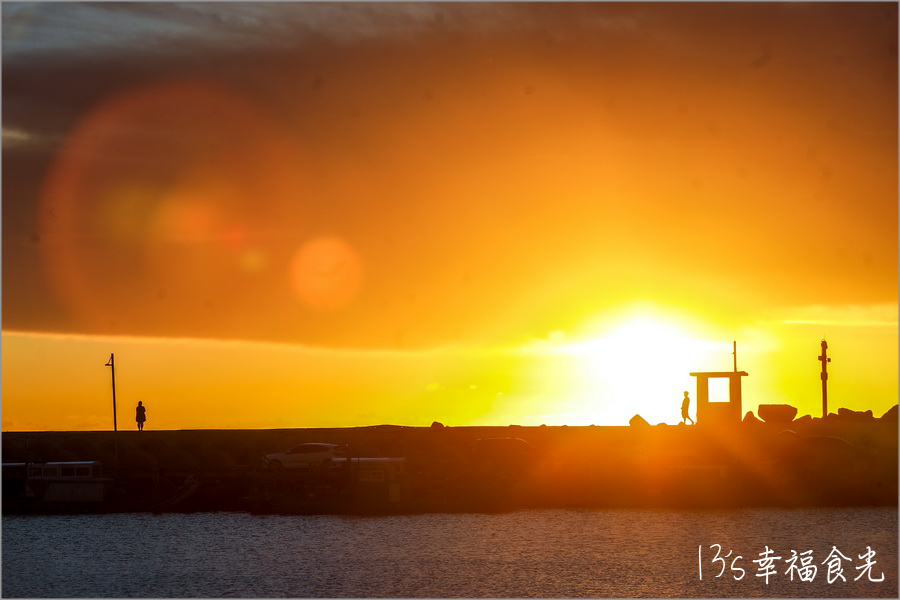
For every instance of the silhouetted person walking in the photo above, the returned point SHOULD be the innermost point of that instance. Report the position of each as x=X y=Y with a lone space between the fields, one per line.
x=685 y=404
x=141 y=416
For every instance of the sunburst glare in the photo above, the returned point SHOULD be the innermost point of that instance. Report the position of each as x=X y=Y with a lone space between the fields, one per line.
x=640 y=365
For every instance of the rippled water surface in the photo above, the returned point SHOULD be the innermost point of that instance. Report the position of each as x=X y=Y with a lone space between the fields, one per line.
x=536 y=553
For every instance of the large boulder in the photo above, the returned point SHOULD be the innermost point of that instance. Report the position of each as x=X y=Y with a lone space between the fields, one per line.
x=776 y=413
x=855 y=415
x=638 y=421
x=751 y=418
x=803 y=420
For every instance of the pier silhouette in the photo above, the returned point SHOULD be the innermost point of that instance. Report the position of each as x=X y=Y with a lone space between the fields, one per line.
x=722 y=460
x=846 y=459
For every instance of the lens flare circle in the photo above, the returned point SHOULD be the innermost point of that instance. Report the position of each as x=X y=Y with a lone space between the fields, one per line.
x=182 y=190
x=326 y=273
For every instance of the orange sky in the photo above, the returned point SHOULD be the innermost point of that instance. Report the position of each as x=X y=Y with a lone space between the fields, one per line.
x=478 y=213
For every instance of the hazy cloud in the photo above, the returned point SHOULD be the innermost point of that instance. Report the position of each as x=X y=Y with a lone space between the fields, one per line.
x=503 y=169
x=878 y=316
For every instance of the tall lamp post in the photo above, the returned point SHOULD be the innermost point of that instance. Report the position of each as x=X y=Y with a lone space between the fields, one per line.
x=825 y=360
x=112 y=363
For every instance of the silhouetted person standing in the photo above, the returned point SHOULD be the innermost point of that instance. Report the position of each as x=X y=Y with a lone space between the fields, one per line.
x=685 y=404
x=141 y=416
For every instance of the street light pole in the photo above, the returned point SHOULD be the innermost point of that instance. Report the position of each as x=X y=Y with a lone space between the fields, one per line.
x=112 y=363
x=825 y=360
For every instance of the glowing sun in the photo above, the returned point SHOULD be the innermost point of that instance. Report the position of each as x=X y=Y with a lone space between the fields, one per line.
x=640 y=365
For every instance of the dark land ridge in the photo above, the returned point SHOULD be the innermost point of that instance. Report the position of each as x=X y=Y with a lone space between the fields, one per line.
x=848 y=459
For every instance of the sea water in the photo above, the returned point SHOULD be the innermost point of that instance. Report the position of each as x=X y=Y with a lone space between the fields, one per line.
x=528 y=553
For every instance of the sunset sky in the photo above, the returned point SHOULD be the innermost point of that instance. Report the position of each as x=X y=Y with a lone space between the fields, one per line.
x=340 y=214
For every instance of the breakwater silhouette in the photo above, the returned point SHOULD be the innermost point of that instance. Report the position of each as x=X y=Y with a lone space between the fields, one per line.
x=842 y=460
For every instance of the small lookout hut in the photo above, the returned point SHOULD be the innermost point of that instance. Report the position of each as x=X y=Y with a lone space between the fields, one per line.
x=725 y=413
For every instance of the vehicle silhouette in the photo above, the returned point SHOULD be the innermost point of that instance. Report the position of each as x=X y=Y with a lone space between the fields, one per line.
x=303 y=456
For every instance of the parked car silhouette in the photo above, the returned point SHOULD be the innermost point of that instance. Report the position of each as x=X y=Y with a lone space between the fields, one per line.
x=504 y=452
x=303 y=456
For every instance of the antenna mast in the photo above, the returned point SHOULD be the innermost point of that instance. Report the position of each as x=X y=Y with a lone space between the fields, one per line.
x=825 y=360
